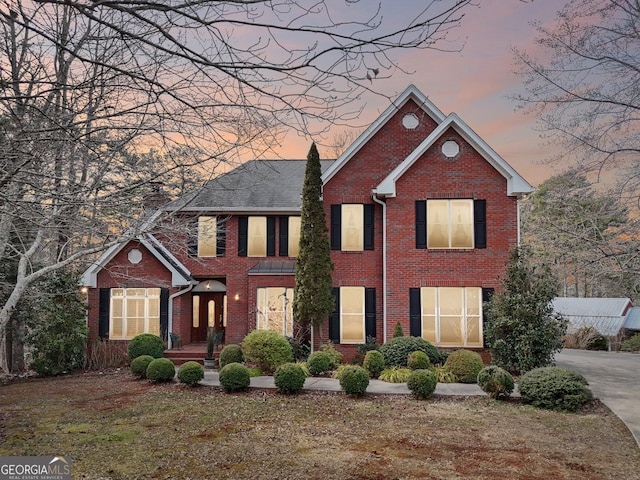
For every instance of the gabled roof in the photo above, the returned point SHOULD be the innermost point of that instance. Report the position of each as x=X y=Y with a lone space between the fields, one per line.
x=411 y=93
x=255 y=186
x=516 y=185
x=606 y=315
x=180 y=275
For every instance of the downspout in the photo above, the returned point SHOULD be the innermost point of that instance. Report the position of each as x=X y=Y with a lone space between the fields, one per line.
x=518 y=216
x=170 y=312
x=375 y=198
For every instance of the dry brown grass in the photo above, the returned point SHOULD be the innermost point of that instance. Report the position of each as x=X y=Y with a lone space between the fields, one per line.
x=114 y=426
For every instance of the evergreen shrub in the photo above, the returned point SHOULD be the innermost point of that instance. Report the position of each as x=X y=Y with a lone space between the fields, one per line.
x=374 y=363
x=397 y=331
x=234 y=377
x=319 y=363
x=161 y=370
x=267 y=349
x=397 y=350
x=140 y=364
x=465 y=365
x=418 y=361
x=354 y=380
x=631 y=344
x=495 y=381
x=190 y=373
x=145 y=344
x=336 y=356
x=231 y=353
x=289 y=378
x=422 y=383
x=554 y=388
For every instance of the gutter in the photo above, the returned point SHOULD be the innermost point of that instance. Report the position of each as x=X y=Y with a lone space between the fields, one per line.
x=375 y=198
x=170 y=308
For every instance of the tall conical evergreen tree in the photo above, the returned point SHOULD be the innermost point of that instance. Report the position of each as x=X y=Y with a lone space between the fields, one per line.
x=313 y=300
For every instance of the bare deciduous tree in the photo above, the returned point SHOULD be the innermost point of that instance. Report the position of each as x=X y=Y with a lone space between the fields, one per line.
x=584 y=83
x=99 y=101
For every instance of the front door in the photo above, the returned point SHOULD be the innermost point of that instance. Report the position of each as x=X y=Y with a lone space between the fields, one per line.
x=208 y=311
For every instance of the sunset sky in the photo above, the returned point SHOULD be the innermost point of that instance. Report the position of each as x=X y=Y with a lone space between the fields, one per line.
x=476 y=82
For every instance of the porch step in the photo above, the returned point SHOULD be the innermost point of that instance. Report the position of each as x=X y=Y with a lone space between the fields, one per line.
x=187 y=354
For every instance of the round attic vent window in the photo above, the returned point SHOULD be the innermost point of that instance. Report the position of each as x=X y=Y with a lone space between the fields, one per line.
x=135 y=256
x=450 y=149
x=410 y=121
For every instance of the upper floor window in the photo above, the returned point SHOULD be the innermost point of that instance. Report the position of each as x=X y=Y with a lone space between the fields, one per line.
x=352 y=227
x=211 y=237
x=256 y=236
x=289 y=236
x=453 y=224
x=134 y=311
x=447 y=316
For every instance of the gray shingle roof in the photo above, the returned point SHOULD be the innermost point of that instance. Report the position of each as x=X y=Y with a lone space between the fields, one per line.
x=255 y=186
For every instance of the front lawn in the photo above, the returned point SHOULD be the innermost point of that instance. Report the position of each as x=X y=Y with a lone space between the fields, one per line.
x=114 y=426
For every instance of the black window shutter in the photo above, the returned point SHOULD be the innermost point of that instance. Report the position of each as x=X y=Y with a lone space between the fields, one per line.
x=421 y=224
x=164 y=312
x=104 y=307
x=480 y=223
x=369 y=211
x=487 y=293
x=284 y=237
x=370 y=312
x=221 y=238
x=243 y=228
x=192 y=239
x=334 y=318
x=415 y=313
x=336 y=224
x=271 y=236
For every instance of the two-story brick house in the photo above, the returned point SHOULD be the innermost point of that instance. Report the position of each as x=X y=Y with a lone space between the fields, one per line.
x=421 y=214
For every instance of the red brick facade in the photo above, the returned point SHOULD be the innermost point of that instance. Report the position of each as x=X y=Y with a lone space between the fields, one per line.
x=395 y=264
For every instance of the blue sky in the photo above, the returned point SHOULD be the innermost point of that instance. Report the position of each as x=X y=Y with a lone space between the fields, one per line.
x=476 y=82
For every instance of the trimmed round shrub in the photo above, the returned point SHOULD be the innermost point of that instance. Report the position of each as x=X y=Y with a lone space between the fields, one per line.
x=139 y=365
x=418 y=361
x=374 y=363
x=495 y=381
x=319 y=363
x=234 y=377
x=231 y=353
x=465 y=365
x=267 y=349
x=190 y=373
x=289 y=378
x=422 y=383
x=631 y=344
x=396 y=351
x=145 y=344
x=554 y=388
x=161 y=370
x=354 y=380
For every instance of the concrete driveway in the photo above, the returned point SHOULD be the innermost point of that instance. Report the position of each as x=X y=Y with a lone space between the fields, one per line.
x=614 y=378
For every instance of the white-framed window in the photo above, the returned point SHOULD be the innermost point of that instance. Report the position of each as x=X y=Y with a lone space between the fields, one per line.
x=452 y=316
x=352 y=315
x=257 y=237
x=134 y=311
x=294 y=236
x=352 y=228
x=207 y=236
x=450 y=223
x=275 y=309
